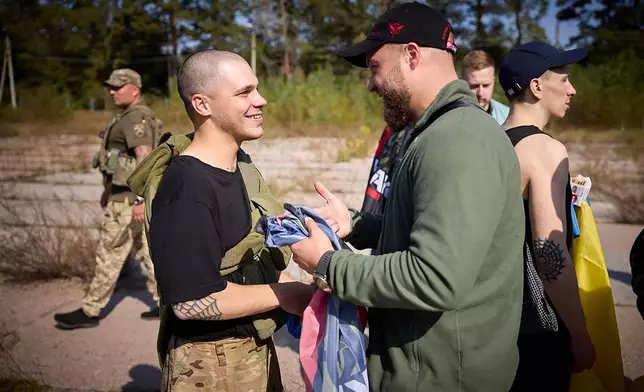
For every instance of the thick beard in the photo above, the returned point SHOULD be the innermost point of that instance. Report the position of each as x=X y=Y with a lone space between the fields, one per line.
x=395 y=101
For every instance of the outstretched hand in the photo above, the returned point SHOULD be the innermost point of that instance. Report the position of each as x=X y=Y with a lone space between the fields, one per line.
x=334 y=211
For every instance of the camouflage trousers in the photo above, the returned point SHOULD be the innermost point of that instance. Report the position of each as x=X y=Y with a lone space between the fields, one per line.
x=120 y=236
x=227 y=365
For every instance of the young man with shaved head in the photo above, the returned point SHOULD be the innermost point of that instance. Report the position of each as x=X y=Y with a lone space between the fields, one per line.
x=444 y=289
x=201 y=211
x=535 y=78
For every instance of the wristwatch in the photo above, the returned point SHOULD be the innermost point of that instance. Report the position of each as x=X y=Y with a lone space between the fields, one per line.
x=320 y=276
x=138 y=200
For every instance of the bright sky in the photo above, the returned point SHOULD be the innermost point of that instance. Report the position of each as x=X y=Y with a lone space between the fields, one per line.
x=566 y=29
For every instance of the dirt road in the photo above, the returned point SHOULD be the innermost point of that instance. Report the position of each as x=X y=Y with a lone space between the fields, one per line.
x=120 y=353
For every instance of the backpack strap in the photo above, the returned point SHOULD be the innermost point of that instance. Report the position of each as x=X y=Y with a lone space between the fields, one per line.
x=451 y=106
x=436 y=115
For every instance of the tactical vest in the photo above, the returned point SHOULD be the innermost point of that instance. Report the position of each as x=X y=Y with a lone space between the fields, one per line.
x=120 y=165
x=256 y=263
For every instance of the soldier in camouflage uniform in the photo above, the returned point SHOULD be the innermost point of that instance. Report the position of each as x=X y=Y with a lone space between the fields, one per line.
x=128 y=138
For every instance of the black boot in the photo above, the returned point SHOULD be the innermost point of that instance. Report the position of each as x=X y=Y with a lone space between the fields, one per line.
x=151 y=314
x=75 y=319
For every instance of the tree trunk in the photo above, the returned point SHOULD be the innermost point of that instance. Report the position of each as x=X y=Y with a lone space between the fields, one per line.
x=108 y=38
x=173 y=34
x=518 y=6
x=286 y=66
x=480 y=27
x=384 y=5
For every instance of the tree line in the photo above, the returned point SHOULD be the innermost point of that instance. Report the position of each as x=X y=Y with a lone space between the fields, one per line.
x=67 y=47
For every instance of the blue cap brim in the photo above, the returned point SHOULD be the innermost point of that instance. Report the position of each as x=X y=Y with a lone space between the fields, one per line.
x=568 y=57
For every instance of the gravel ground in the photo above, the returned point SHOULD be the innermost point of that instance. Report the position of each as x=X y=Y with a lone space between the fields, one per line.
x=120 y=354
x=50 y=177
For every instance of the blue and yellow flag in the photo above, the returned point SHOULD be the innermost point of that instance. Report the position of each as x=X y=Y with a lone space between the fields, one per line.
x=607 y=374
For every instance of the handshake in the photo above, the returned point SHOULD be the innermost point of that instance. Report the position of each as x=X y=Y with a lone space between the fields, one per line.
x=308 y=240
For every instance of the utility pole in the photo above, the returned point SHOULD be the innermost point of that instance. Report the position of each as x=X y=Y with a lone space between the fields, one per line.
x=12 y=87
x=7 y=63
x=4 y=72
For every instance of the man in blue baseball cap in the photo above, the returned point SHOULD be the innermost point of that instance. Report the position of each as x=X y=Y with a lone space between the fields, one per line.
x=552 y=343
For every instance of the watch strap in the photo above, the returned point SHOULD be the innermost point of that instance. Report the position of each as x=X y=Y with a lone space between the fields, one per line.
x=323 y=266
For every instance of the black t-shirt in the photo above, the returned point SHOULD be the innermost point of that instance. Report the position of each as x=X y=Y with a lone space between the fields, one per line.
x=198 y=214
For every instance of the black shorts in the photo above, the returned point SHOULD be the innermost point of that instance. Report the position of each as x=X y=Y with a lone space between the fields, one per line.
x=545 y=362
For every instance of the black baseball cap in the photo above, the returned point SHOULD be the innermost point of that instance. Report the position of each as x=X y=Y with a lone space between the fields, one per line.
x=402 y=24
x=530 y=61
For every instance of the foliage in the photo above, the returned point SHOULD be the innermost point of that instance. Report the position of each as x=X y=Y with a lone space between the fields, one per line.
x=42 y=102
x=42 y=248
x=321 y=99
x=609 y=95
x=72 y=45
x=324 y=103
x=359 y=147
x=64 y=49
x=609 y=26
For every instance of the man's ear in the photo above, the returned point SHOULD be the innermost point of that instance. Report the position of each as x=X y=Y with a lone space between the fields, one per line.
x=411 y=53
x=201 y=105
x=536 y=88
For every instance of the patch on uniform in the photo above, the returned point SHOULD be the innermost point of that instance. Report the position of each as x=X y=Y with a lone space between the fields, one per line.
x=139 y=129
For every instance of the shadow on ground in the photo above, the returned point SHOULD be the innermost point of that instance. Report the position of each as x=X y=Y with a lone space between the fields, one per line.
x=624 y=277
x=283 y=338
x=145 y=378
x=131 y=283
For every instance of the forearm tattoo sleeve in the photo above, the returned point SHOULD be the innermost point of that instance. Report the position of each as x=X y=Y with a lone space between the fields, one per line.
x=549 y=258
x=202 y=309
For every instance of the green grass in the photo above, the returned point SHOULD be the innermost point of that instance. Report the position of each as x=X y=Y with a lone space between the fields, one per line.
x=318 y=104
x=321 y=100
x=609 y=97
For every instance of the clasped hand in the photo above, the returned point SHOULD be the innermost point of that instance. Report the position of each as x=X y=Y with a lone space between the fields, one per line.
x=307 y=253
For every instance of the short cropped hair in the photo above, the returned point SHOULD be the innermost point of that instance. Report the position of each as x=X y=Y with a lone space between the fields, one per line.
x=477 y=60
x=201 y=72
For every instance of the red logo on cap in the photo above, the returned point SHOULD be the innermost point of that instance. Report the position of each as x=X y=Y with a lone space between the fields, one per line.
x=445 y=30
x=395 y=28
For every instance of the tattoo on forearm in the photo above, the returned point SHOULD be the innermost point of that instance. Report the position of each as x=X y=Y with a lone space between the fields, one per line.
x=203 y=309
x=549 y=259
